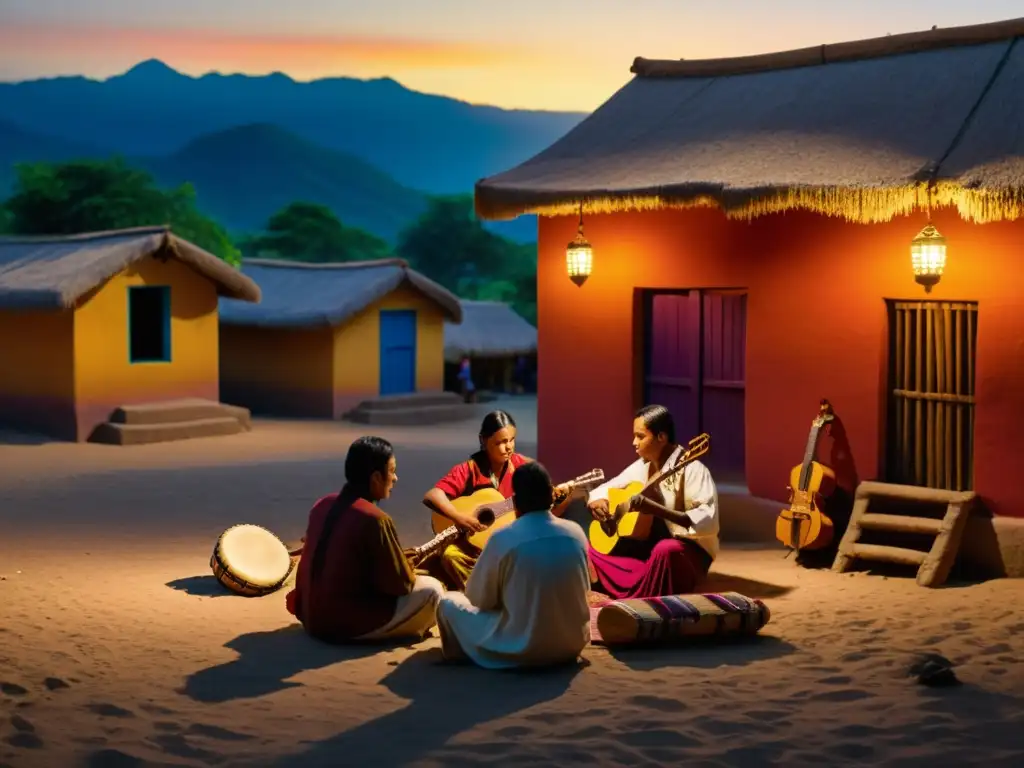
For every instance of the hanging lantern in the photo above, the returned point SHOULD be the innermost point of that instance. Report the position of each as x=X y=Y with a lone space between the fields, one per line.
x=579 y=256
x=928 y=257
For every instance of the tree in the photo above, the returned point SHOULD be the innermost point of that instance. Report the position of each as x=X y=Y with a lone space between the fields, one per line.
x=311 y=232
x=450 y=245
x=96 y=195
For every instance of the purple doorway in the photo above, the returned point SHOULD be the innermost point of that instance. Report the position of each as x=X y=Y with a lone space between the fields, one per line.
x=696 y=367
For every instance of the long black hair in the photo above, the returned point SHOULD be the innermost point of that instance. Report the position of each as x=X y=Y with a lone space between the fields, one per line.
x=365 y=456
x=493 y=422
x=658 y=420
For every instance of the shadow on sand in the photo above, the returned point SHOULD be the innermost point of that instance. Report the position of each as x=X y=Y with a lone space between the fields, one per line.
x=201 y=586
x=265 y=662
x=444 y=700
x=726 y=582
x=14 y=437
x=703 y=654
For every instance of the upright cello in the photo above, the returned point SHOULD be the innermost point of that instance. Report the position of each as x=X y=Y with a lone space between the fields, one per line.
x=803 y=525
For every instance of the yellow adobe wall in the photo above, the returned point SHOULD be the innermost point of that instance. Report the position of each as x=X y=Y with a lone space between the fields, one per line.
x=357 y=349
x=104 y=377
x=279 y=371
x=37 y=371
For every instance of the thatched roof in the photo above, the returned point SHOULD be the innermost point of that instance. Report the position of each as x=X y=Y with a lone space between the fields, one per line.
x=55 y=272
x=488 y=329
x=303 y=295
x=860 y=130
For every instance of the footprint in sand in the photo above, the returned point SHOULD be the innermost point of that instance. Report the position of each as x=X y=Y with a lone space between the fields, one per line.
x=216 y=732
x=155 y=709
x=12 y=689
x=176 y=744
x=992 y=650
x=657 y=703
x=836 y=680
x=109 y=710
x=54 y=684
x=113 y=758
x=25 y=736
x=657 y=738
x=844 y=695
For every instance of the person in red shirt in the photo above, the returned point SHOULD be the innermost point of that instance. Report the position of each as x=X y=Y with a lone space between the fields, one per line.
x=490 y=467
x=354 y=581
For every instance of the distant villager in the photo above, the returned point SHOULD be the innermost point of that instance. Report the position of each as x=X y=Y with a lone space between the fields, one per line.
x=501 y=348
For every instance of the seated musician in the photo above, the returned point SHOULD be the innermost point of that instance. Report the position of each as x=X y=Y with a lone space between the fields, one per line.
x=354 y=581
x=525 y=603
x=490 y=467
x=677 y=557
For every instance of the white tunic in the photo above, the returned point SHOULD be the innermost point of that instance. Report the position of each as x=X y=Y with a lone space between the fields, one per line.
x=699 y=491
x=526 y=599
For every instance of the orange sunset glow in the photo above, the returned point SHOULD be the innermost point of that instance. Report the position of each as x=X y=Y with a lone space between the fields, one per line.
x=530 y=54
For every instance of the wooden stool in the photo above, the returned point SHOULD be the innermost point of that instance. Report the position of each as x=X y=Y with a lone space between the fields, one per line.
x=933 y=567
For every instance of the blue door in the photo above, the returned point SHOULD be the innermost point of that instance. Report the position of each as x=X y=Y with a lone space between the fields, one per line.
x=397 y=351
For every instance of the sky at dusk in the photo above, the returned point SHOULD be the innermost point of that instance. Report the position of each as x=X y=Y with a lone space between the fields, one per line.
x=542 y=54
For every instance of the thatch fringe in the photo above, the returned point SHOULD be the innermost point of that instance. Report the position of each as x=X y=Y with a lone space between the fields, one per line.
x=55 y=272
x=859 y=205
x=316 y=295
x=488 y=329
x=829 y=53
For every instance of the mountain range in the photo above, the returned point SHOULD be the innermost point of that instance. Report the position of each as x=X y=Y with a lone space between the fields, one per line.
x=368 y=149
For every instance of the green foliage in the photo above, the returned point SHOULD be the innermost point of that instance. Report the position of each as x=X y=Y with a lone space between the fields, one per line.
x=450 y=245
x=96 y=195
x=312 y=233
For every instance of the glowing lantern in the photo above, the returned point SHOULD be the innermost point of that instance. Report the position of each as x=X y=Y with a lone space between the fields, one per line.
x=579 y=256
x=928 y=257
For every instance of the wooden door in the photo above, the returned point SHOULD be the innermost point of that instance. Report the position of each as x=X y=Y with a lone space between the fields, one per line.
x=696 y=367
x=673 y=358
x=723 y=381
x=397 y=351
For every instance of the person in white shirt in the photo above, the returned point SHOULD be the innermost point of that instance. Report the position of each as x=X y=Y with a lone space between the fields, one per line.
x=525 y=603
x=677 y=556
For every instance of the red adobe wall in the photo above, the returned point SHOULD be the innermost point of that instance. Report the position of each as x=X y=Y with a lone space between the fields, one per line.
x=816 y=327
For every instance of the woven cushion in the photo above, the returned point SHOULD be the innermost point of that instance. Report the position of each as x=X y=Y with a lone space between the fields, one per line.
x=676 y=617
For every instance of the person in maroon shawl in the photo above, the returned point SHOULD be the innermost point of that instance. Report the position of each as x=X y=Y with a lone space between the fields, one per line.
x=354 y=581
x=677 y=556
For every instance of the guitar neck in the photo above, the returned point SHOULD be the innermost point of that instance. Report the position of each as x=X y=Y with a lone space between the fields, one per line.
x=449 y=534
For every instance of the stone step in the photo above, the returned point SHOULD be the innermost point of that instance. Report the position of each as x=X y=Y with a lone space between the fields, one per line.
x=409 y=417
x=416 y=400
x=112 y=433
x=177 y=411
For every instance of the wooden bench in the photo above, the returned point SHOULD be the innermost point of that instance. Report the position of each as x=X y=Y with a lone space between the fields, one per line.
x=933 y=566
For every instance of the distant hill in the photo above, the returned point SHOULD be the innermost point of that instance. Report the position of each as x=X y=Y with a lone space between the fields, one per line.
x=433 y=143
x=246 y=174
x=20 y=146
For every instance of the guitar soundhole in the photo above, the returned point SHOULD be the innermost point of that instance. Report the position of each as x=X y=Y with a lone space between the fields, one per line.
x=608 y=527
x=486 y=516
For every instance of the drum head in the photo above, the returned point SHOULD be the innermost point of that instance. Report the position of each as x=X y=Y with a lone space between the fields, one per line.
x=254 y=554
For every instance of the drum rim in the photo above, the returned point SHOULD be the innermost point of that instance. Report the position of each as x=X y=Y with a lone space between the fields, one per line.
x=216 y=562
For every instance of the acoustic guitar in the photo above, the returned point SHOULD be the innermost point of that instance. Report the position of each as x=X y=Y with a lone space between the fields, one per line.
x=605 y=535
x=803 y=525
x=493 y=510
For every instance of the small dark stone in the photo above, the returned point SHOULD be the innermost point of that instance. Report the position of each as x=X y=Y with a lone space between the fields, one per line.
x=933 y=670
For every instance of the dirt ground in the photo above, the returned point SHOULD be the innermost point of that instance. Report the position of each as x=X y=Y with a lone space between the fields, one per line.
x=118 y=649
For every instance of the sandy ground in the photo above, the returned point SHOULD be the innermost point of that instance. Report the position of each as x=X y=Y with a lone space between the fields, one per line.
x=117 y=649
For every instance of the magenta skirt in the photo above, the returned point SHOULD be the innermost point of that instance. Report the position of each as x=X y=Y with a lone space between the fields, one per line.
x=674 y=567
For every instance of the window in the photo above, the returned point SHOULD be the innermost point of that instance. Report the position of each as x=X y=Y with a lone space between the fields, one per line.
x=931 y=394
x=149 y=324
